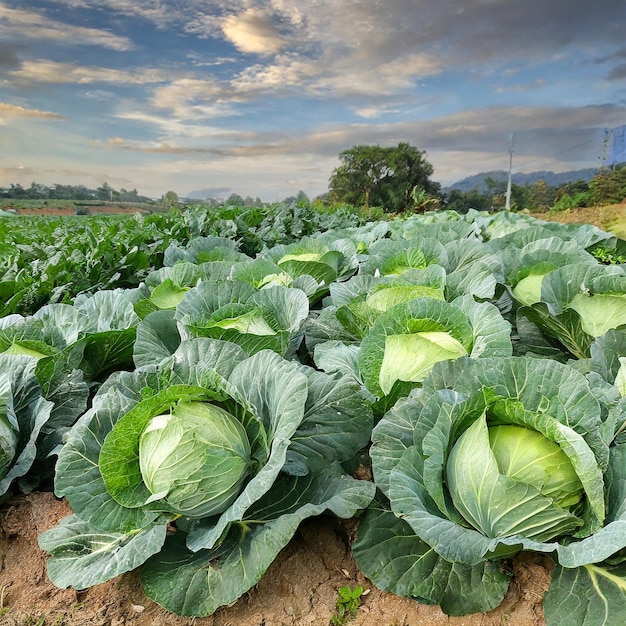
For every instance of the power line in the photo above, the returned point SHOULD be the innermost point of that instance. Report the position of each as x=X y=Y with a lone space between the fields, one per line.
x=554 y=154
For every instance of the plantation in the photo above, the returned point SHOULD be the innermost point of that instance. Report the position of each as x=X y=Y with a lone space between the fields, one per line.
x=223 y=401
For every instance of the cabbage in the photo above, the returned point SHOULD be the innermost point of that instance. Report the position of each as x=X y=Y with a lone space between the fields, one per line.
x=230 y=451
x=491 y=457
x=195 y=458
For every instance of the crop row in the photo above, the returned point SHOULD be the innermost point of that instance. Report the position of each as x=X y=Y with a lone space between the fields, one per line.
x=477 y=364
x=51 y=259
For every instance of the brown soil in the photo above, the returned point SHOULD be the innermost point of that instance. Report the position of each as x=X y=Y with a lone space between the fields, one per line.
x=299 y=589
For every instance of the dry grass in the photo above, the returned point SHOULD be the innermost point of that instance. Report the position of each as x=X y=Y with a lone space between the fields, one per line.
x=611 y=218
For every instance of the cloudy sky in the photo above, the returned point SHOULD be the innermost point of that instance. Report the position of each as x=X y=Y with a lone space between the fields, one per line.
x=259 y=98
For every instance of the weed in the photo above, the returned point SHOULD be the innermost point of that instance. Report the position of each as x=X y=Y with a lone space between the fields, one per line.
x=348 y=602
x=608 y=256
x=3 y=609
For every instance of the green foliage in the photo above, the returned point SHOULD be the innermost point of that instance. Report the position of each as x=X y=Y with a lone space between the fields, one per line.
x=170 y=199
x=80 y=193
x=294 y=427
x=608 y=256
x=53 y=259
x=462 y=333
x=386 y=177
x=566 y=201
x=348 y=602
x=608 y=186
x=463 y=201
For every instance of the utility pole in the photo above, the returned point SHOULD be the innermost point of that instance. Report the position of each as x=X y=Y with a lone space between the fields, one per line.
x=507 y=204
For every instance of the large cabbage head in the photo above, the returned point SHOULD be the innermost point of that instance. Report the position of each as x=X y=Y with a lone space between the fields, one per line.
x=507 y=480
x=497 y=454
x=195 y=458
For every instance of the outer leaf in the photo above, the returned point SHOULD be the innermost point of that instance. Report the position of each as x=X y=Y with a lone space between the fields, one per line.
x=592 y=595
x=198 y=583
x=78 y=476
x=82 y=556
x=337 y=423
x=395 y=559
x=394 y=433
x=157 y=338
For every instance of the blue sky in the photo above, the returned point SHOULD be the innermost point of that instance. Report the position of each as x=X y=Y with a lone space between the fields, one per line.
x=259 y=98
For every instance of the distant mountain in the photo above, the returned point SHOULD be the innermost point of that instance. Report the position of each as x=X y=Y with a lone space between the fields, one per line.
x=211 y=192
x=553 y=179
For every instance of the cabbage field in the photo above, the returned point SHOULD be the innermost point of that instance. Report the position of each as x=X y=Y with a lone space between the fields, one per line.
x=195 y=385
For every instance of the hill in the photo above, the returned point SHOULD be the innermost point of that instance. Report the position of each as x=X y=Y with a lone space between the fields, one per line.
x=554 y=179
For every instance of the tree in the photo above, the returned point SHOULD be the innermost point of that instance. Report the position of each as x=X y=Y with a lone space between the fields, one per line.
x=463 y=201
x=378 y=176
x=234 y=200
x=105 y=192
x=170 y=199
x=542 y=196
x=608 y=186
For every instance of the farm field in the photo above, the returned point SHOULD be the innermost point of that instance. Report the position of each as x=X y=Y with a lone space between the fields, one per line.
x=197 y=309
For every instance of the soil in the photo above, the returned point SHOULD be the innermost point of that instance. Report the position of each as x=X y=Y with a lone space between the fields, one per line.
x=299 y=589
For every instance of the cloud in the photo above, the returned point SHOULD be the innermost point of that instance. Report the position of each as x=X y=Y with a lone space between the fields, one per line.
x=253 y=31
x=190 y=98
x=162 y=13
x=43 y=71
x=22 y=24
x=152 y=147
x=618 y=72
x=11 y=111
x=547 y=131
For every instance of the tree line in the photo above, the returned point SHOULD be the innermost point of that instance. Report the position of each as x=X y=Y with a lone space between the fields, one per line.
x=391 y=179
x=38 y=191
x=398 y=179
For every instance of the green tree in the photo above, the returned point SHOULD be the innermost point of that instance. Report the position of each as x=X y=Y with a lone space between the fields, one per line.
x=234 y=200
x=170 y=199
x=608 y=186
x=379 y=176
x=105 y=192
x=542 y=196
x=463 y=201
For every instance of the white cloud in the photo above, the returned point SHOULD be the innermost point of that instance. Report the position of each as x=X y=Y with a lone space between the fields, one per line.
x=43 y=71
x=33 y=25
x=253 y=31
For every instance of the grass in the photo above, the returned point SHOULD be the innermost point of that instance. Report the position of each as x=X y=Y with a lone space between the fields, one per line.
x=611 y=217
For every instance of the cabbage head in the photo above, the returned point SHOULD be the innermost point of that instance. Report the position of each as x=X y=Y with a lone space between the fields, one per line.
x=200 y=467
x=491 y=457
x=195 y=458
x=575 y=304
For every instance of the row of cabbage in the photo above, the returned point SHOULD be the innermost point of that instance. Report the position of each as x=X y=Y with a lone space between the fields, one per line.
x=49 y=259
x=477 y=362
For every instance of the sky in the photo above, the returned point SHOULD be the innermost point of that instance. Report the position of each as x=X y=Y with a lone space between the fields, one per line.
x=259 y=98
